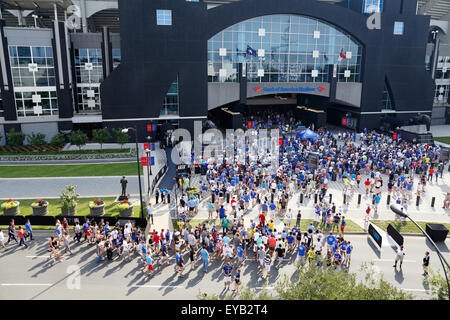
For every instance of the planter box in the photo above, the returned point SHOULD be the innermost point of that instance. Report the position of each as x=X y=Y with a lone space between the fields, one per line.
x=69 y=212
x=97 y=211
x=40 y=211
x=437 y=232
x=12 y=211
x=127 y=212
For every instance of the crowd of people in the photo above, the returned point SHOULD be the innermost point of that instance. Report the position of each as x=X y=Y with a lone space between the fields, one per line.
x=233 y=188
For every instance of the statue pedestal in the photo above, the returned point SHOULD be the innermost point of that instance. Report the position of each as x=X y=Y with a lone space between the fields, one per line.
x=416 y=134
x=121 y=198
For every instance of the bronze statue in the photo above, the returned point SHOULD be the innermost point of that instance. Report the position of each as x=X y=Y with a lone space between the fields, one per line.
x=124 y=182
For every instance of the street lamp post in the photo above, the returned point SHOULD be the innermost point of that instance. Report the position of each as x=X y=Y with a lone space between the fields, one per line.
x=138 y=166
x=149 y=171
x=401 y=212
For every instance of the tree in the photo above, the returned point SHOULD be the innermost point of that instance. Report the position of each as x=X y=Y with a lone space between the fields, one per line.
x=58 y=141
x=121 y=137
x=36 y=139
x=101 y=136
x=438 y=285
x=318 y=283
x=15 y=139
x=78 y=138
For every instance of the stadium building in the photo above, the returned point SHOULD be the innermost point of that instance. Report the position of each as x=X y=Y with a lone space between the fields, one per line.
x=86 y=64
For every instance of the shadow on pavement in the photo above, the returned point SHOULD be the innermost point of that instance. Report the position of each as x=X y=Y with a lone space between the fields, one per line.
x=374 y=247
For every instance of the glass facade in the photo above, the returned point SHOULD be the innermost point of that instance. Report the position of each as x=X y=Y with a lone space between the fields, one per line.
x=398 y=28
x=33 y=74
x=117 y=57
x=371 y=6
x=89 y=75
x=441 y=94
x=170 y=105
x=386 y=103
x=283 y=48
x=1 y=106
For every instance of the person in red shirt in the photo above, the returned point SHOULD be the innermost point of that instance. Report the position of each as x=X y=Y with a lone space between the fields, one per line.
x=21 y=235
x=156 y=241
x=262 y=219
x=367 y=183
x=430 y=174
x=272 y=244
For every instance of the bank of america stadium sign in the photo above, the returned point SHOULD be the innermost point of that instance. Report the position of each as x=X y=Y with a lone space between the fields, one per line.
x=293 y=89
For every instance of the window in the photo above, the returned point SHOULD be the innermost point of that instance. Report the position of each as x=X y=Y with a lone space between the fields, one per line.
x=33 y=75
x=89 y=75
x=387 y=103
x=371 y=6
x=398 y=28
x=117 y=58
x=441 y=94
x=170 y=105
x=164 y=17
x=191 y=0
x=288 y=49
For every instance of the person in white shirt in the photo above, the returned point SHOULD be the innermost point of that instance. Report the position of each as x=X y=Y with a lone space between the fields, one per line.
x=227 y=253
x=289 y=217
x=399 y=257
x=2 y=238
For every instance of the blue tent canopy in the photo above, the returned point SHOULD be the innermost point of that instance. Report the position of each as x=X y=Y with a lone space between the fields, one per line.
x=307 y=134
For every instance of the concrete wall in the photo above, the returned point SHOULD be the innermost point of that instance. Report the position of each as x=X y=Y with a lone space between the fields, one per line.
x=29 y=36
x=50 y=129
x=220 y=93
x=349 y=93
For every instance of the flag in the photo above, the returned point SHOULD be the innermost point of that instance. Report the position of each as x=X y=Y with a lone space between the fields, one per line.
x=341 y=56
x=280 y=141
x=151 y=127
x=146 y=146
x=152 y=147
x=144 y=161
x=152 y=161
x=250 y=124
x=251 y=51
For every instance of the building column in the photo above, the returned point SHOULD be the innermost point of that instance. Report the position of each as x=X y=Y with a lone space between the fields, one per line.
x=106 y=52
x=63 y=88
x=83 y=16
x=6 y=83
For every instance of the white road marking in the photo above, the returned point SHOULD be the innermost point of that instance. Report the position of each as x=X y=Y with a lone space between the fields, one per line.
x=155 y=286
x=37 y=256
x=392 y=260
x=262 y=288
x=27 y=284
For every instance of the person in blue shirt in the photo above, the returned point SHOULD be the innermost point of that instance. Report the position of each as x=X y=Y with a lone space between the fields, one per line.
x=301 y=251
x=290 y=240
x=227 y=269
x=331 y=240
x=29 y=229
x=149 y=261
x=348 y=254
x=337 y=259
x=204 y=253
x=240 y=255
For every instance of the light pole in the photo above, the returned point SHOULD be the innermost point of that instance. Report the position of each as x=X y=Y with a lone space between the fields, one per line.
x=401 y=212
x=149 y=171
x=138 y=166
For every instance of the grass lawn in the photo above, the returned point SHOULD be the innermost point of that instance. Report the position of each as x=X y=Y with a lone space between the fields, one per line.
x=77 y=170
x=5 y=153
x=404 y=227
x=443 y=139
x=82 y=207
x=350 y=227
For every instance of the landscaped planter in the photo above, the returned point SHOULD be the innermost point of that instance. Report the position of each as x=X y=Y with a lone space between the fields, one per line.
x=12 y=211
x=69 y=212
x=126 y=212
x=40 y=207
x=40 y=211
x=97 y=210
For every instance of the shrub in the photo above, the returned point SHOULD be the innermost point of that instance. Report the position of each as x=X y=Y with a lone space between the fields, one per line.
x=78 y=138
x=123 y=205
x=58 y=141
x=15 y=139
x=39 y=203
x=101 y=136
x=121 y=137
x=69 y=197
x=36 y=139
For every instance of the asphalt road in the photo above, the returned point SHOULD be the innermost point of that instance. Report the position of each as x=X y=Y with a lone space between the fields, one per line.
x=28 y=274
x=51 y=187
